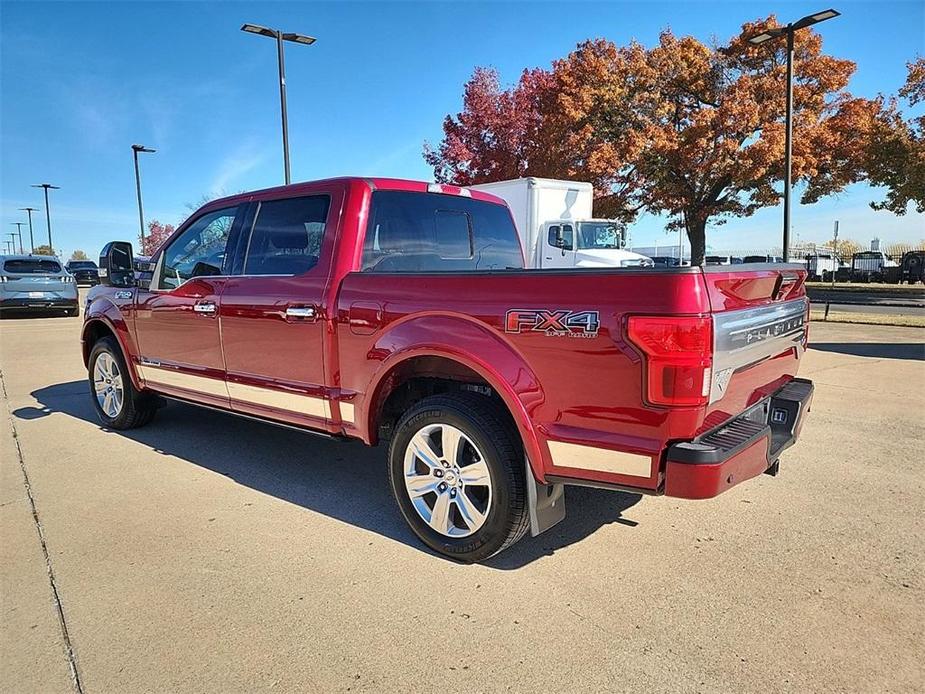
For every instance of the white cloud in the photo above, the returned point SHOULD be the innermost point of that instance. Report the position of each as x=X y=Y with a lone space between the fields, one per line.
x=234 y=166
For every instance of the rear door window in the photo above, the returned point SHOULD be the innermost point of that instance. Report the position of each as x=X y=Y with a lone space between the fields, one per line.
x=29 y=266
x=432 y=232
x=287 y=236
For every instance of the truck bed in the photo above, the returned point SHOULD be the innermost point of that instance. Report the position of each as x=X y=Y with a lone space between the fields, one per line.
x=583 y=392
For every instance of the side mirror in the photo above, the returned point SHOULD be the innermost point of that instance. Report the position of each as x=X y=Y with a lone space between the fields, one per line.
x=561 y=241
x=116 y=267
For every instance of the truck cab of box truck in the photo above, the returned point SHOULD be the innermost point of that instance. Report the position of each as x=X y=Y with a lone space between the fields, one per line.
x=556 y=226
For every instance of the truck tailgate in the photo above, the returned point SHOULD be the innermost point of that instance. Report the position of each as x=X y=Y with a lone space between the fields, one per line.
x=760 y=319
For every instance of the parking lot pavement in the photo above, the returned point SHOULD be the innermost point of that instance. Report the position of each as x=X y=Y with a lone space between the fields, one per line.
x=208 y=553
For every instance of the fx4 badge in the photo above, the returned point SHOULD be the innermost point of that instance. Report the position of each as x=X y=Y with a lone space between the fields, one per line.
x=555 y=323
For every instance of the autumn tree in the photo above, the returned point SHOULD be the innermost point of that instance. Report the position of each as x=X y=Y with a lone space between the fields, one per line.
x=44 y=249
x=157 y=234
x=896 y=149
x=78 y=255
x=531 y=130
x=684 y=129
x=844 y=249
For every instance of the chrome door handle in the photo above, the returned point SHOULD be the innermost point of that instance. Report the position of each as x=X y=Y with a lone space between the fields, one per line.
x=300 y=312
x=206 y=307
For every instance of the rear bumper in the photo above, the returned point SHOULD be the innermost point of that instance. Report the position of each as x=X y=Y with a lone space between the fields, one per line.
x=741 y=449
x=37 y=304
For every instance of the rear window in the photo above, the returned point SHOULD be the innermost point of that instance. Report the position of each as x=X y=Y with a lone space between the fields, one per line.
x=82 y=265
x=287 y=236
x=431 y=232
x=31 y=267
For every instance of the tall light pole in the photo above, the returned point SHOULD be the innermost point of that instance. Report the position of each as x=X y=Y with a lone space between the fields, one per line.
x=767 y=35
x=46 y=186
x=141 y=215
x=29 y=211
x=19 y=233
x=280 y=37
x=12 y=241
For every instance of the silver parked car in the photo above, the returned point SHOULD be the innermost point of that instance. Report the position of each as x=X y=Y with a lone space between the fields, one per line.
x=36 y=282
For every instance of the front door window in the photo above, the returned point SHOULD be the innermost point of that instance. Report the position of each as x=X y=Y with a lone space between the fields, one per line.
x=198 y=252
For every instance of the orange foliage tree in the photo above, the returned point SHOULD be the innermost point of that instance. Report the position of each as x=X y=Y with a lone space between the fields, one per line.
x=157 y=234
x=896 y=151
x=685 y=129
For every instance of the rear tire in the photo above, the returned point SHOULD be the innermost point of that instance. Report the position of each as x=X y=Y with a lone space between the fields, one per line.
x=116 y=401
x=468 y=506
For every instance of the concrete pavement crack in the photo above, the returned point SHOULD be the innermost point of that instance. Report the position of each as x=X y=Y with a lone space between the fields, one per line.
x=59 y=608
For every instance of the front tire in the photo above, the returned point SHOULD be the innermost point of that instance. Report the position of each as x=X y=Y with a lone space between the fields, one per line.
x=116 y=401
x=457 y=473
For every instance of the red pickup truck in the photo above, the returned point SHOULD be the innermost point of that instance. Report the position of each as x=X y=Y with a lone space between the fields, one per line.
x=400 y=311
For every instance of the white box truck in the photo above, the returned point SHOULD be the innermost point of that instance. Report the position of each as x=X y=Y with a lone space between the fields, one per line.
x=556 y=226
x=821 y=265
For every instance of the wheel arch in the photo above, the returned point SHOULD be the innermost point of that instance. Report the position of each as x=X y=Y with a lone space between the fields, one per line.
x=476 y=358
x=100 y=325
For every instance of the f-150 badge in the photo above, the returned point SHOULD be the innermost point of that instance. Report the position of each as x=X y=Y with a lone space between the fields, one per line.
x=555 y=322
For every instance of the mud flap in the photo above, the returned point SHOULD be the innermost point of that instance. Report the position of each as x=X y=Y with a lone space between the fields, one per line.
x=545 y=502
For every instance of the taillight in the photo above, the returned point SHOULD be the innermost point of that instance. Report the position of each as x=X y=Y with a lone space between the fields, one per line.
x=679 y=357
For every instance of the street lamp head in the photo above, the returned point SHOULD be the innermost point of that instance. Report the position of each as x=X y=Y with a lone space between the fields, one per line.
x=809 y=20
x=766 y=35
x=299 y=38
x=30 y=209
x=825 y=14
x=45 y=185
x=142 y=148
x=257 y=29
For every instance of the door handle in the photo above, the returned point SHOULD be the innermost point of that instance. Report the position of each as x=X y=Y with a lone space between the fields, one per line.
x=301 y=312
x=205 y=307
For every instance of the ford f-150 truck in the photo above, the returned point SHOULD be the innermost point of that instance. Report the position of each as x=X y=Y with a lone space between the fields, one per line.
x=400 y=311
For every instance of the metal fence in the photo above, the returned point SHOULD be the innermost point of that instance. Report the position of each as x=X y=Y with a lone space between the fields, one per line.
x=894 y=264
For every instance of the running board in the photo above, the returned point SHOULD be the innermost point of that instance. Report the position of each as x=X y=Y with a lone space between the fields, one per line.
x=255 y=418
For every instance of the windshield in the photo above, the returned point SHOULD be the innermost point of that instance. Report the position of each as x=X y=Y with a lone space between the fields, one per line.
x=82 y=265
x=31 y=267
x=599 y=235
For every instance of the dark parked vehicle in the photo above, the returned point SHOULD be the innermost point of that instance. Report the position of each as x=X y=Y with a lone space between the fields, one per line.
x=912 y=267
x=763 y=259
x=84 y=271
x=873 y=266
x=722 y=260
x=666 y=261
x=36 y=282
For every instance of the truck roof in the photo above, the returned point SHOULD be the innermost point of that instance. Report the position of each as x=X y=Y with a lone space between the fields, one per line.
x=374 y=182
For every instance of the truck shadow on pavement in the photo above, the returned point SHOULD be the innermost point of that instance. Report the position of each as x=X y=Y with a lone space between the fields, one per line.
x=344 y=480
x=877 y=350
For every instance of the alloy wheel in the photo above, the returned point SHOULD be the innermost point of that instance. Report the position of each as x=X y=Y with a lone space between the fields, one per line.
x=107 y=385
x=447 y=479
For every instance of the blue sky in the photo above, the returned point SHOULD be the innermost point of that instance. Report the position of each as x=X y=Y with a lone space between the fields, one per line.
x=80 y=82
